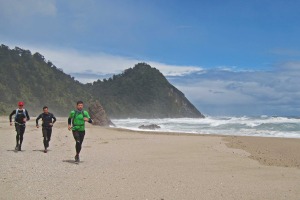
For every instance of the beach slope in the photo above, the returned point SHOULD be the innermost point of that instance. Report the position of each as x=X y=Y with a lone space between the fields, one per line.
x=120 y=164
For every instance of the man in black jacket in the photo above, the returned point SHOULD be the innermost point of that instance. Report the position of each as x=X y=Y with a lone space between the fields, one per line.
x=21 y=116
x=48 y=121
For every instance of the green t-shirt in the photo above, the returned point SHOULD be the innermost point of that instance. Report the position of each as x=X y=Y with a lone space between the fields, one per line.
x=77 y=119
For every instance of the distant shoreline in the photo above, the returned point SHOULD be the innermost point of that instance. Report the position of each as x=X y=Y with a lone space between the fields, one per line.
x=278 y=127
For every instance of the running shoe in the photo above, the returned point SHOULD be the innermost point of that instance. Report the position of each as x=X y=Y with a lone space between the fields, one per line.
x=77 y=159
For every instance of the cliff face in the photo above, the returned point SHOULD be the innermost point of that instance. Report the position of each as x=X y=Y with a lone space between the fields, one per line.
x=142 y=92
x=185 y=107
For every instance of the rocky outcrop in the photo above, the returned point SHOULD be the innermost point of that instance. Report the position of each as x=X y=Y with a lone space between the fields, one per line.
x=98 y=114
x=150 y=127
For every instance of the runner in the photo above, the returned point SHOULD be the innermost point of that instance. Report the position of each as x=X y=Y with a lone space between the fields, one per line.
x=21 y=116
x=47 y=125
x=76 y=122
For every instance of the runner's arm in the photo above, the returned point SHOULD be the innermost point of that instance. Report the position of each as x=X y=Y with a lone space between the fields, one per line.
x=54 y=119
x=27 y=116
x=37 y=119
x=89 y=118
x=71 y=116
x=69 y=121
x=11 y=114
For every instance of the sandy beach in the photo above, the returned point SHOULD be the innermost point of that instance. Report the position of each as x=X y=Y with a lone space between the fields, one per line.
x=121 y=164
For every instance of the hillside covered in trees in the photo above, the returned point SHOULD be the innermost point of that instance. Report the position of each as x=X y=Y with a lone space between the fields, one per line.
x=140 y=92
x=30 y=78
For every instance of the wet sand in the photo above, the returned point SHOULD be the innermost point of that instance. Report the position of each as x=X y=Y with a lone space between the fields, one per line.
x=121 y=164
x=283 y=152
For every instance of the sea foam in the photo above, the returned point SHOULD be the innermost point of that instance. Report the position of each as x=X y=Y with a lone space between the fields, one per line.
x=265 y=126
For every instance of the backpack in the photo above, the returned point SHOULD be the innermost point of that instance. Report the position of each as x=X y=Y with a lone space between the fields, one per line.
x=77 y=113
x=17 y=112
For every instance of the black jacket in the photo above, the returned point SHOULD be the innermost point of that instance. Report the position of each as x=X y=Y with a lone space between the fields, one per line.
x=47 y=119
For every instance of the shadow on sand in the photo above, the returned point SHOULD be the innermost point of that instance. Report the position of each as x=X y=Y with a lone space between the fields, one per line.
x=40 y=150
x=72 y=161
x=15 y=151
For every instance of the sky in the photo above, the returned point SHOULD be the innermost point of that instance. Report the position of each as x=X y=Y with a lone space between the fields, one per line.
x=229 y=57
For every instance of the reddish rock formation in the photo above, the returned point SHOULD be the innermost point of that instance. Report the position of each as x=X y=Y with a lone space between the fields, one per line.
x=98 y=114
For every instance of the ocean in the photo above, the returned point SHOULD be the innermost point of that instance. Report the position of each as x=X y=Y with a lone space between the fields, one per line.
x=264 y=126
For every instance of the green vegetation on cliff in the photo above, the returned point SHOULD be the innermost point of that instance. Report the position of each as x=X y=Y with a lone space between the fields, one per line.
x=141 y=91
x=29 y=78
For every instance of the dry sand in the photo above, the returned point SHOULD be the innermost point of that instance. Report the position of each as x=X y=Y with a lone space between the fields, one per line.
x=118 y=164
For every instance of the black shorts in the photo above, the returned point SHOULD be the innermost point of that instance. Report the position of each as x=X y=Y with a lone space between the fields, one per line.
x=78 y=135
x=47 y=132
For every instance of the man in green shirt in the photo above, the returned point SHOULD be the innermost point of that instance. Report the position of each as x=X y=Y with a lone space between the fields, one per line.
x=76 y=122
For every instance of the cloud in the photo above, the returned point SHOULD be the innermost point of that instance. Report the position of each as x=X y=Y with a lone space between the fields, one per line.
x=175 y=70
x=214 y=92
x=16 y=9
x=89 y=67
x=218 y=92
x=285 y=52
x=73 y=62
x=89 y=77
x=289 y=66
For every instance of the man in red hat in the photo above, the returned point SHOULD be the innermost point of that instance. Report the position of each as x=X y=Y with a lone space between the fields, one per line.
x=21 y=116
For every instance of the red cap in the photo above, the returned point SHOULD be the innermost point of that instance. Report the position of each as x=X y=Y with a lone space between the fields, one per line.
x=21 y=103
